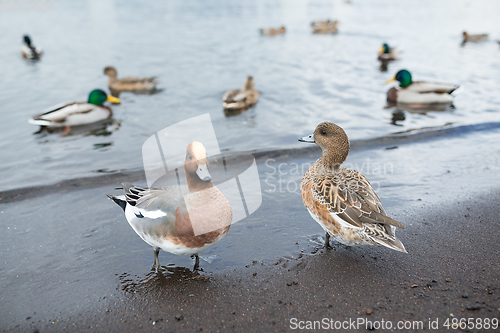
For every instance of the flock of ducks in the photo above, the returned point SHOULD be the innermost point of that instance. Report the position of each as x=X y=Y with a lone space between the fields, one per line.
x=341 y=200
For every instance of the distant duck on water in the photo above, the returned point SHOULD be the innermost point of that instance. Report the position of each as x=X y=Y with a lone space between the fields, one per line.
x=237 y=99
x=131 y=84
x=473 y=38
x=386 y=53
x=272 y=32
x=420 y=92
x=66 y=115
x=325 y=27
x=30 y=51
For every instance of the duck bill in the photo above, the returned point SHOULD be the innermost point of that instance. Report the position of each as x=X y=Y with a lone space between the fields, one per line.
x=393 y=79
x=308 y=139
x=113 y=99
x=203 y=173
x=381 y=50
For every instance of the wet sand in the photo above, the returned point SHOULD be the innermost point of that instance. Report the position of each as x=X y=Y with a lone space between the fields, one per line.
x=72 y=263
x=452 y=273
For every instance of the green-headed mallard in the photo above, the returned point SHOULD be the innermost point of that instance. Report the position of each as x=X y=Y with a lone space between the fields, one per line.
x=30 y=51
x=240 y=99
x=325 y=27
x=422 y=93
x=386 y=53
x=272 y=32
x=136 y=84
x=77 y=113
x=473 y=38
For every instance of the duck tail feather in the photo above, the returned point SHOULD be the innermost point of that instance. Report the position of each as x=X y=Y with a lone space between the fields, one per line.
x=394 y=244
x=119 y=200
x=455 y=91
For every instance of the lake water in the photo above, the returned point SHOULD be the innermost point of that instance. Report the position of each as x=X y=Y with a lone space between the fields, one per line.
x=200 y=49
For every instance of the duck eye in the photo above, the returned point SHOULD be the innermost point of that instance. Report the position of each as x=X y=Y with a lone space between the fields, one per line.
x=323 y=132
x=190 y=157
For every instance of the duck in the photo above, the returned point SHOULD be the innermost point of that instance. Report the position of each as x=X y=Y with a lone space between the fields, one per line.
x=30 y=51
x=386 y=53
x=342 y=200
x=325 y=27
x=473 y=38
x=272 y=32
x=420 y=92
x=241 y=99
x=77 y=113
x=176 y=219
x=135 y=84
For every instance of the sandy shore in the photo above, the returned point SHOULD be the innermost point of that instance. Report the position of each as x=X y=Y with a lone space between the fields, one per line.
x=454 y=273
x=73 y=264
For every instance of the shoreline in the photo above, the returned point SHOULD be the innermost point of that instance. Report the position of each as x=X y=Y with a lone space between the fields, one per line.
x=403 y=138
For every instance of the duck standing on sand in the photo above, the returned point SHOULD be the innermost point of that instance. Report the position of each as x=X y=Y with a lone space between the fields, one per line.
x=420 y=92
x=272 y=32
x=133 y=84
x=77 y=113
x=342 y=200
x=178 y=223
x=29 y=51
x=325 y=27
x=473 y=38
x=241 y=99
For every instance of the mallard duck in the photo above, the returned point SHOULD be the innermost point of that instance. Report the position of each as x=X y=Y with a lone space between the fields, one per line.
x=77 y=113
x=240 y=99
x=271 y=32
x=342 y=200
x=386 y=53
x=473 y=38
x=325 y=27
x=421 y=93
x=129 y=83
x=29 y=51
x=178 y=220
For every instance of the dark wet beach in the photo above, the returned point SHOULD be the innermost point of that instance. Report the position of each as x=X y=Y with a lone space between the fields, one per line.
x=70 y=260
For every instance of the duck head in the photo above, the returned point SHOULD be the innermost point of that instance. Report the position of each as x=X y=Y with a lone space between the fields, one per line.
x=384 y=49
x=27 y=40
x=111 y=72
x=333 y=141
x=196 y=165
x=98 y=97
x=403 y=77
x=249 y=85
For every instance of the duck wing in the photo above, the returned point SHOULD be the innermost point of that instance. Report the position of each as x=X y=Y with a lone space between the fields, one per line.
x=351 y=197
x=154 y=203
x=136 y=80
x=428 y=87
x=59 y=114
x=230 y=95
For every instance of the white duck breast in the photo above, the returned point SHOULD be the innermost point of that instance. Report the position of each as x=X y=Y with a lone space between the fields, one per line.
x=28 y=53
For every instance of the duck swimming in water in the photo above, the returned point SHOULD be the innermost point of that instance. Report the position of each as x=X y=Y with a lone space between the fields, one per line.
x=419 y=92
